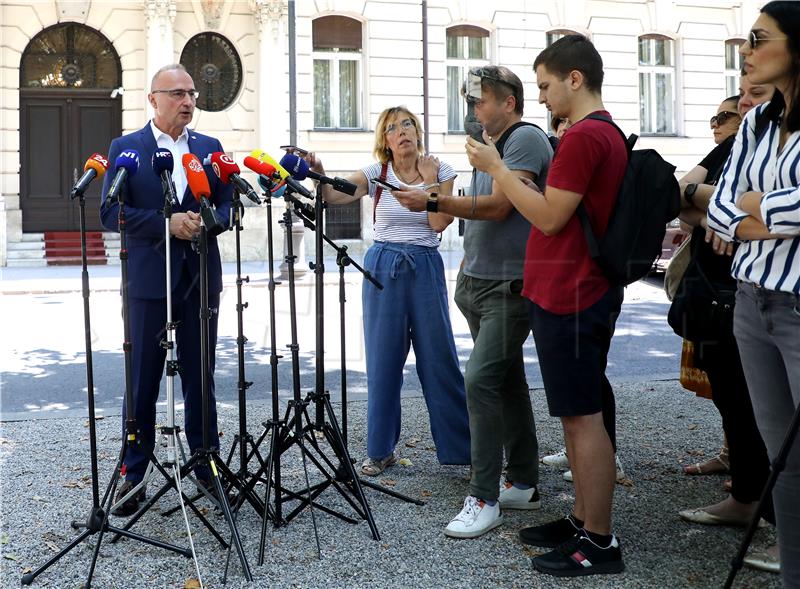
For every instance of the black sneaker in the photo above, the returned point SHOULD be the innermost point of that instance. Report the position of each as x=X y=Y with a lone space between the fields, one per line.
x=131 y=504
x=549 y=535
x=580 y=556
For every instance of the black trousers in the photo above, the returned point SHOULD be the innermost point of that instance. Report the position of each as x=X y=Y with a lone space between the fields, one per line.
x=749 y=462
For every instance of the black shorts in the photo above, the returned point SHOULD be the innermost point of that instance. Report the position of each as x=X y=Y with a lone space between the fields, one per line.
x=573 y=352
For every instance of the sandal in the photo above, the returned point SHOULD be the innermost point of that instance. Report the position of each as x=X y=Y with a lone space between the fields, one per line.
x=719 y=464
x=373 y=468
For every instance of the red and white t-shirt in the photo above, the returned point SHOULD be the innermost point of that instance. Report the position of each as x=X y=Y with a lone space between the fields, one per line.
x=559 y=274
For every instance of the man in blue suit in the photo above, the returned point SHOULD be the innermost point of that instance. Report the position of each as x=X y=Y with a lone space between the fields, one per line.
x=172 y=96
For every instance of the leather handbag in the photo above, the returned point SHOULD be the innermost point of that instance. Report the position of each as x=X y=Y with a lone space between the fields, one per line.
x=701 y=311
x=677 y=267
x=693 y=378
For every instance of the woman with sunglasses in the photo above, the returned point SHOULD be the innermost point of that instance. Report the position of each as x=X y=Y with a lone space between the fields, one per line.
x=744 y=453
x=412 y=308
x=757 y=203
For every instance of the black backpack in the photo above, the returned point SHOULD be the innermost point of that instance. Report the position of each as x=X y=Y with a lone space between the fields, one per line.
x=647 y=200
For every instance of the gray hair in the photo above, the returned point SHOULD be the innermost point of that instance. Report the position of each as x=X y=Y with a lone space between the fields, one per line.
x=167 y=68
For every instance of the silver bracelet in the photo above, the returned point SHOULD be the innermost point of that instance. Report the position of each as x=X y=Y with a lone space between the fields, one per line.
x=431 y=185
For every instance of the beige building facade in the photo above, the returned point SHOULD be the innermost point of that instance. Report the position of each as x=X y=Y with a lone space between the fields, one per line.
x=668 y=65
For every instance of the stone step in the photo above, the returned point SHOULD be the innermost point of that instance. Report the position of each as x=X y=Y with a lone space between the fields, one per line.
x=25 y=246
x=33 y=237
x=23 y=263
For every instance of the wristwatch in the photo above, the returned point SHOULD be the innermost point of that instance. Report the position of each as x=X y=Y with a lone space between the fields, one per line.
x=432 y=205
x=688 y=193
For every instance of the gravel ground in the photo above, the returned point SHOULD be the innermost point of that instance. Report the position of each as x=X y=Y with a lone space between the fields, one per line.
x=45 y=485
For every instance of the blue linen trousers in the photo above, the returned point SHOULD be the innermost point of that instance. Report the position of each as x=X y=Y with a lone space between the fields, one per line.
x=411 y=309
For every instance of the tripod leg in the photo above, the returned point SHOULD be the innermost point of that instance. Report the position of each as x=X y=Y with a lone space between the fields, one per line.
x=28 y=578
x=778 y=465
x=268 y=487
x=226 y=509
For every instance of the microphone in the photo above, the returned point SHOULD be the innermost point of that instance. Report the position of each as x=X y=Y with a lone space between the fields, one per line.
x=298 y=168
x=163 y=164
x=286 y=177
x=94 y=167
x=201 y=190
x=227 y=171
x=127 y=163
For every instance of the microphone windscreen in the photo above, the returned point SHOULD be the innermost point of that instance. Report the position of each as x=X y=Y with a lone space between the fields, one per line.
x=259 y=167
x=224 y=166
x=163 y=161
x=196 y=176
x=297 y=166
x=128 y=159
x=96 y=162
x=265 y=157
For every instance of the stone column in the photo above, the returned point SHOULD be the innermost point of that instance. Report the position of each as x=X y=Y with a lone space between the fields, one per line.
x=273 y=109
x=160 y=16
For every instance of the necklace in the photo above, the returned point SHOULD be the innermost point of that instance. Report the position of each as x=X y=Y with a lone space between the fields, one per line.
x=403 y=180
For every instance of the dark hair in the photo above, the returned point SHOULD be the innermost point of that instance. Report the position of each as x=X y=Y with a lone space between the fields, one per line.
x=556 y=121
x=502 y=82
x=573 y=52
x=786 y=14
x=734 y=99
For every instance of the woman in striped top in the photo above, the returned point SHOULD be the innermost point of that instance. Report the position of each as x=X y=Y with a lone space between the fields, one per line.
x=413 y=306
x=757 y=203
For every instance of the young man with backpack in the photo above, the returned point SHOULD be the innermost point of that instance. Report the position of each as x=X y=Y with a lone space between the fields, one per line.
x=573 y=306
x=489 y=294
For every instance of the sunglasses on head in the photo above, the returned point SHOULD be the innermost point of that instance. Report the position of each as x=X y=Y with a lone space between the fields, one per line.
x=720 y=119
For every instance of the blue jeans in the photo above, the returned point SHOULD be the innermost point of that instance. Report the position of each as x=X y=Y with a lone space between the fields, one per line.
x=411 y=309
x=767 y=329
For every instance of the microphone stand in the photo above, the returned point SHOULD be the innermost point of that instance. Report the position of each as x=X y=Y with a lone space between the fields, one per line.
x=97 y=521
x=338 y=438
x=243 y=439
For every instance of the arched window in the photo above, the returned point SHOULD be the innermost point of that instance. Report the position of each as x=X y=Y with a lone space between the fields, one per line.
x=216 y=69
x=337 y=48
x=70 y=55
x=467 y=46
x=657 y=85
x=733 y=66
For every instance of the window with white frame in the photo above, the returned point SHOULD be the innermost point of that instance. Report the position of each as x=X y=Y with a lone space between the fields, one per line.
x=733 y=66
x=553 y=36
x=657 y=85
x=337 y=47
x=467 y=46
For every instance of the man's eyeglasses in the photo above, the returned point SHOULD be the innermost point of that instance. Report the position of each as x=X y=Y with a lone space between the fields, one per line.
x=406 y=124
x=754 y=39
x=721 y=118
x=178 y=94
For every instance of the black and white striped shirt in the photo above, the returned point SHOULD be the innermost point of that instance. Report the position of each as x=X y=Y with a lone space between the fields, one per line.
x=756 y=165
x=393 y=222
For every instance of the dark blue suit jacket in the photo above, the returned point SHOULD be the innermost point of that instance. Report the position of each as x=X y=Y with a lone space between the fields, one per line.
x=144 y=204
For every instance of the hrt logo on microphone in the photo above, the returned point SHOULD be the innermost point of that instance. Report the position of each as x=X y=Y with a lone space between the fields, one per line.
x=102 y=160
x=163 y=153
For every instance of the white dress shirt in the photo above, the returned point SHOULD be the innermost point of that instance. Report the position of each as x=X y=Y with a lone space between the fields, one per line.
x=178 y=149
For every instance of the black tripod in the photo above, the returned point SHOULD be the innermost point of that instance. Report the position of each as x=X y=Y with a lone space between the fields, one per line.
x=778 y=465
x=320 y=396
x=97 y=521
x=243 y=441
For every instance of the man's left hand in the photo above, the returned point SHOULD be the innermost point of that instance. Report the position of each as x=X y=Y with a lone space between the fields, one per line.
x=413 y=199
x=484 y=157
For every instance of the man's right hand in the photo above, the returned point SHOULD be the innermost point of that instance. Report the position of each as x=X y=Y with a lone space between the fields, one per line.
x=184 y=225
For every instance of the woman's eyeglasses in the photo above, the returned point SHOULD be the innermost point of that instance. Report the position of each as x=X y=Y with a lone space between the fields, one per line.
x=754 y=39
x=391 y=128
x=721 y=118
x=179 y=94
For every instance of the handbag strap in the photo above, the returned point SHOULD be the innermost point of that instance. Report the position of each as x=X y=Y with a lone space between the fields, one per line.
x=379 y=190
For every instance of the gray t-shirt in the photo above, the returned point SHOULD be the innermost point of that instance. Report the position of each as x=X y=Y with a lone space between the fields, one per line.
x=495 y=250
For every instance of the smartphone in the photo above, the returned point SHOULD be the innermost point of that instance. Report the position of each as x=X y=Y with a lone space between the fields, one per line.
x=295 y=149
x=385 y=184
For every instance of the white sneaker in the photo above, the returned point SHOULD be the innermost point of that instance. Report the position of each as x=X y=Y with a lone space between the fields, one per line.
x=620 y=472
x=559 y=459
x=475 y=519
x=512 y=497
